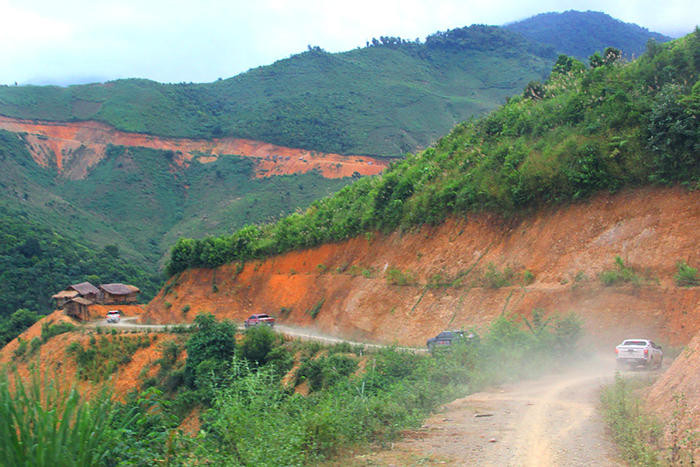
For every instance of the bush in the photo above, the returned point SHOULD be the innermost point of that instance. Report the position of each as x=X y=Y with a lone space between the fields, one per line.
x=395 y=276
x=686 y=276
x=314 y=310
x=49 y=330
x=621 y=274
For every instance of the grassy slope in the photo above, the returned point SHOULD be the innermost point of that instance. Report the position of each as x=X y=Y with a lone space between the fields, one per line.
x=587 y=129
x=136 y=200
x=387 y=99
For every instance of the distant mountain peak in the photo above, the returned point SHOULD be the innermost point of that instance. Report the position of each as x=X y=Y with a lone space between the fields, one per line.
x=581 y=33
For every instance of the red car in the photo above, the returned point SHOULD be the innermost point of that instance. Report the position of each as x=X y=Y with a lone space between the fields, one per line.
x=259 y=318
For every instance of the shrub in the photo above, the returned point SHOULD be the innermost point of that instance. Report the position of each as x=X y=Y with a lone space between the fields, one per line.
x=315 y=310
x=621 y=274
x=528 y=277
x=185 y=309
x=396 y=276
x=686 y=276
x=21 y=348
x=49 y=330
x=495 y=279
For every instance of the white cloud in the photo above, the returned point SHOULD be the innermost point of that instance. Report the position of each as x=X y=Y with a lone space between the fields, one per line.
x=176 y=40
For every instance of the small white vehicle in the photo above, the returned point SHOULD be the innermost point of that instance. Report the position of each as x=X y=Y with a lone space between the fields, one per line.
x=639 y=352
x=113 y=316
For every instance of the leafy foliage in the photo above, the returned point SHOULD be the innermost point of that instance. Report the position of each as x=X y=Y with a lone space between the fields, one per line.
x=36 y=262
x=686 y=275
x=46 y=425
x=593 y=129
x=209 y=349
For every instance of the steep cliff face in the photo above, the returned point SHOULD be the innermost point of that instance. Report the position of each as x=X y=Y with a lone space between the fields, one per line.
x=74 y=147
x=451 y=275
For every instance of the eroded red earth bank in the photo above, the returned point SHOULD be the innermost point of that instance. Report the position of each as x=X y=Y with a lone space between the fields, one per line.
x=74 y=147
x=565 y=248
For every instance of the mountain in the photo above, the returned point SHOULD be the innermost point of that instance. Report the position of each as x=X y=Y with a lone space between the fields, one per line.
x=388 y=98
x=580 y=34
x=137 y=164
x=585 y=130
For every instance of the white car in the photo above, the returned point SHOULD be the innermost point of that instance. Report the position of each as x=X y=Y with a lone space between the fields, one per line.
x=636 y=352
x=113 y=316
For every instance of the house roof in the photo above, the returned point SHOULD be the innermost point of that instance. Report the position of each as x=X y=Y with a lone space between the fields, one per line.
x=82 y=301
x=65 y=294
x=84 y=288
x=119 y=289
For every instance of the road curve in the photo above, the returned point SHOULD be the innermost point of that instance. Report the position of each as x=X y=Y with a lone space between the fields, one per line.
x=130 y=324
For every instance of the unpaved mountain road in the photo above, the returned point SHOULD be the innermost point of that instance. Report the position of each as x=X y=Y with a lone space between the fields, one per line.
x=551 y=421
x=132 y=324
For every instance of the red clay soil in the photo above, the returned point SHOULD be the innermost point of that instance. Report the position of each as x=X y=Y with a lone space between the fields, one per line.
x=52 y=358
x=566 y=248
x=74 y=147
x=675 y=396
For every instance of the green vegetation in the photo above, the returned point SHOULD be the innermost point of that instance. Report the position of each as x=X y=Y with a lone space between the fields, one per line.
x=48 y=329
x=580 y=33
x=128 y=211
x=686 y=276
x=46 y=425
x=244 y=392
x=599 y=128
x=102 y=356
x=640 y=435
x=388 y=98
x=396 y=276
x=637 y=434
x=621 y=274
x=316 y=309
x=15 y=324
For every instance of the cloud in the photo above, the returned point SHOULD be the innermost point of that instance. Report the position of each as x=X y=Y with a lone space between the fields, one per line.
x=175 y=40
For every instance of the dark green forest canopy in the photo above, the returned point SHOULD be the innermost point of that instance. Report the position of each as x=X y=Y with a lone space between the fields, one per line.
x=563 y=31
x=36 y=262
x=391 y=97
x=587 y=129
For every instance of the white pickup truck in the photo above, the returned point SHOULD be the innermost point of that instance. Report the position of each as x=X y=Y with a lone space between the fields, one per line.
x=636 y=352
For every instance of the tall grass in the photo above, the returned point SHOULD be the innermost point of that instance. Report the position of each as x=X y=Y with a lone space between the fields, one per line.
x=44 y=424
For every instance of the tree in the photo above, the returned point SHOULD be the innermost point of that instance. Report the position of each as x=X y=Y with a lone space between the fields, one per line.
x=213 y=345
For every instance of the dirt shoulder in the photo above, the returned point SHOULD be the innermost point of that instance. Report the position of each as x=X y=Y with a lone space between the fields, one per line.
x=550 y=421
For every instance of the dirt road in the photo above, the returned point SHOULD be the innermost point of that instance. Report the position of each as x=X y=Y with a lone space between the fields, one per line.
x=551 y=421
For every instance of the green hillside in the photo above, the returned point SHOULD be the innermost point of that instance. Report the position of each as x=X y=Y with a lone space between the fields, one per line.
x=387 y=99
x=136 y=199
x=36 y=262
x=579 y=33
x=391 y=97
x=588 y=128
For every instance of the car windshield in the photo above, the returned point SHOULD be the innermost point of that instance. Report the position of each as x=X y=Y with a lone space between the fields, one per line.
x=634 y=343
x=445 y=334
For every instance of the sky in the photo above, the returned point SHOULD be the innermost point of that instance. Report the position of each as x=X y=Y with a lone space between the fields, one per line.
x=77 y=41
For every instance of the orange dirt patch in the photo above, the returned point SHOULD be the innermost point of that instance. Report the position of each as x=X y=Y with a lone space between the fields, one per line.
x=76 y=146
x=566 y=248
x=681 y=380
x=52 y=358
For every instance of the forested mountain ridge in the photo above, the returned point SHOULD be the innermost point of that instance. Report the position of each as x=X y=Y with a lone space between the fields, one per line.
x=391 y=97
x=579 y=33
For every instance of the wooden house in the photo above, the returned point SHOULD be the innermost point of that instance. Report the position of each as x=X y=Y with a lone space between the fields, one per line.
x=118 y=293
x=84 y=290
x=78 y=308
